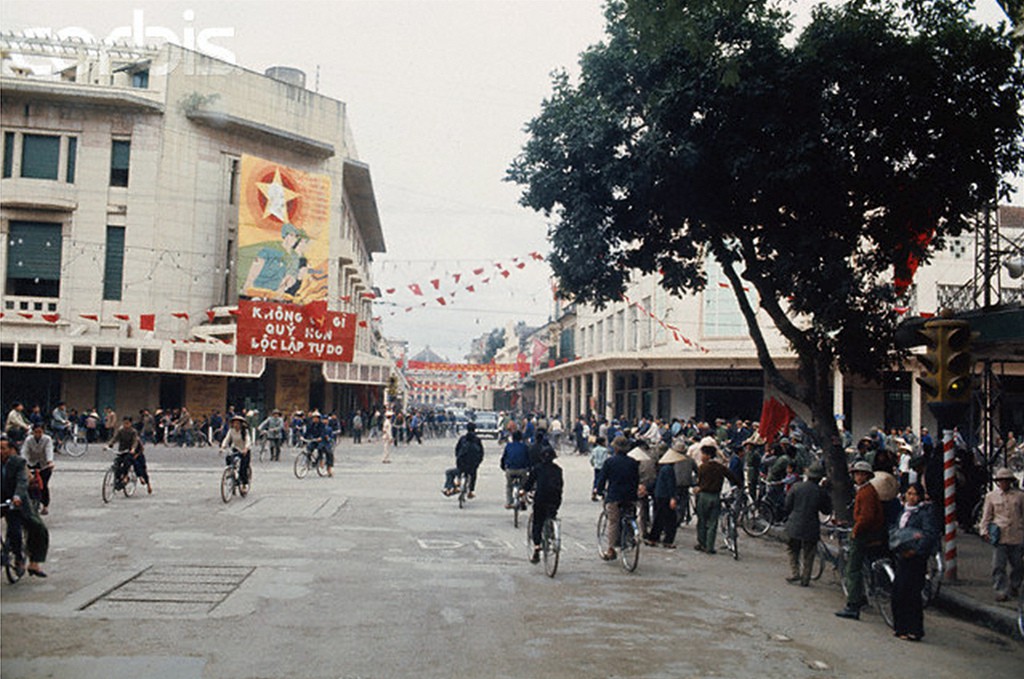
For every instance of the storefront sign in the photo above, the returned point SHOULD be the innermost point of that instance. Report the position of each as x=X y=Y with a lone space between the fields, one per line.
x=305 y=333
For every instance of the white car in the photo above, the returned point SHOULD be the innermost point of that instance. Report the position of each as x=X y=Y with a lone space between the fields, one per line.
x=487 y=424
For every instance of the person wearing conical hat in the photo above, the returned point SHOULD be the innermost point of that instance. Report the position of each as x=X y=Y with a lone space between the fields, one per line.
x=666 y=499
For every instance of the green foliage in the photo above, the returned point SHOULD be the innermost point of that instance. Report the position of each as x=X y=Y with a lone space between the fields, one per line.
x=495 y=341
x=811 y=167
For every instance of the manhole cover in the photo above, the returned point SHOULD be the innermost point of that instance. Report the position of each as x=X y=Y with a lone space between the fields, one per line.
x=172 y=590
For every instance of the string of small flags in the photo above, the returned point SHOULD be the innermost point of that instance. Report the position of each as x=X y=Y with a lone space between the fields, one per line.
x=677 y=334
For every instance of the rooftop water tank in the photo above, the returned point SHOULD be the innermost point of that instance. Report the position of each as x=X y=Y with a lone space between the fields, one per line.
x=287 y=74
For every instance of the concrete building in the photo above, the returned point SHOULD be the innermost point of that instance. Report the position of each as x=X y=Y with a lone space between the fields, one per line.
x=656 y=354
x=119 y=217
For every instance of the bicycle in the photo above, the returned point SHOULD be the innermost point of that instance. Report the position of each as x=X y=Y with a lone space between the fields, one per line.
x=1020 y=613
x=933 y=578
x=837 y=557
x=72 y=444
x=309 y=459
x=462 y=481
x=879 y=573
x=519 y=502
x=550 y=542
x=230 y=481
x=629 y=538
x=756 y=516
x=120 y=476
x=13 y=564
x=729 y=521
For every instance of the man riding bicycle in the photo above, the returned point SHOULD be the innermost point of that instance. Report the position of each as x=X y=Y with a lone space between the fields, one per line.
x=546 y=480
x=60 y=425
x=37 y=449
x=318 y=435
x=130 y=454
x=22 y=517
x=469 y=453
x=237 y=442
x=515 y=462
x=620 y=479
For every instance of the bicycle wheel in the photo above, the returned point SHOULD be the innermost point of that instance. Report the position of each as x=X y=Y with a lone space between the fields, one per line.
x=227 y=484
x=820 y=557
x=629 y=540
x=881 y=588
x=733 y=536
x=321 y=464
x=463 y=490
x=602 y=533
x=515 y=506
x=75 y=447
x=263 y=454
x=131 y=481
x=11 y=572
x=933 y=579
x=551 y=545
x=301 y=466
x=529 y=535
x=1020 y=613
x=108 y=485
x=757 y=518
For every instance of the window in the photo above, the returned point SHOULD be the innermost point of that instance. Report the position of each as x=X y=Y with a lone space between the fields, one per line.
x=119 y=154
x=40 y=156
x=234 y=171
x=33 y=259
x=140 y=79
x=113 y=265
x=8 y=153
x=72 y=155
x=722 y=315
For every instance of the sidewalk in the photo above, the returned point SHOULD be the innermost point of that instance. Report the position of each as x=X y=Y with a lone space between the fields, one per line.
x=971 y=596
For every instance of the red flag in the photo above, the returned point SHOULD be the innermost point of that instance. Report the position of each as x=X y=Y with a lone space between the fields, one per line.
x=233 y=312
x=147 y=322
x=440 y=300
x=363 y=324
x=377 y=318
x=408 y=309
x=390 y=291
x=436 y=282
x=775 y=418
x=723 y=285
x=368 y=295
x=478 y=271
x=346 y=298
x=210 y=315
x=51 y=318
x=901 y=309
x=470 y=288
x=505 y=273
x=456 y=276
x=498 y=265
x=122 y=317
x=184 y=315
x=90 y=317
x=486 y=280
x=537 y=256
x=416 y=289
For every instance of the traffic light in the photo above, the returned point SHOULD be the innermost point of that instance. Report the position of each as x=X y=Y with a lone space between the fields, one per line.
x=947 y=361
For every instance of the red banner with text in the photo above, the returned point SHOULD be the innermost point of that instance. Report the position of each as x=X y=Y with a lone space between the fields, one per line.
x=302 y=333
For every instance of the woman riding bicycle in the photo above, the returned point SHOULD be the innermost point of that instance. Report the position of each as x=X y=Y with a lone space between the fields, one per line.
x=130 y=453
x=237 y=441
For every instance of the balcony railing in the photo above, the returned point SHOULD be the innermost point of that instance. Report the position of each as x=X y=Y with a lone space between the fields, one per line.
x=30 y=305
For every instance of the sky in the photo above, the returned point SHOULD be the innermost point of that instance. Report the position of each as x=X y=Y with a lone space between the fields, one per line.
x=437 y=93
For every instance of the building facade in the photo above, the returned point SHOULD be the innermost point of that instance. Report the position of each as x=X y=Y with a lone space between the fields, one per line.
x=119 y=215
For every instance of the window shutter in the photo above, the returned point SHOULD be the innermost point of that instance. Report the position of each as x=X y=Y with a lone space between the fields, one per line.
x=113 y=266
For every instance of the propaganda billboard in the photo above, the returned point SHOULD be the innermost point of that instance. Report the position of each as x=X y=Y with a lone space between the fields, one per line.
x=301 y=333
x=283 y=232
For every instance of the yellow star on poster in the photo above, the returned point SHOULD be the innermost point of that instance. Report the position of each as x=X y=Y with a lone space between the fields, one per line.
x=278 y=196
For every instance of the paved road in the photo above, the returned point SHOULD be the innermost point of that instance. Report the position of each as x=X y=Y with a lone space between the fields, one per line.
x=375 y=574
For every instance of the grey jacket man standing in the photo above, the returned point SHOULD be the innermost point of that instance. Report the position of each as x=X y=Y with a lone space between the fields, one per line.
x=804 y=502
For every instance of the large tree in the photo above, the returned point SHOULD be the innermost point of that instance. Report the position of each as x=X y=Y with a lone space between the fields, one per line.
x=817 y=168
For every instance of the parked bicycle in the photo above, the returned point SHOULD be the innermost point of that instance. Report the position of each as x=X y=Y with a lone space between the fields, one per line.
x=729 y=520
x=309 y=458
x=550 y=542
x=13 y=564
x=834 y=556
x=629 y=538
x=230 y=480
x=120 y=476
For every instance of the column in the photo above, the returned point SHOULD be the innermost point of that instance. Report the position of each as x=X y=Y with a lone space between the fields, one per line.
x=582 y=401
x=609 y=395
x=915 y=403
x=595 y=392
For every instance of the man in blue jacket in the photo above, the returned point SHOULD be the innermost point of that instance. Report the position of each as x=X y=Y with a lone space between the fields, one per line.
x=620 y=478
x=515 y=462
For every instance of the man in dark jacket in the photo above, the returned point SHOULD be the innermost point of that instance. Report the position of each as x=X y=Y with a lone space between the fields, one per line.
x=22 y=516
x=469 y=453
x=546 y=479
x=620 y=478
x=804 y=502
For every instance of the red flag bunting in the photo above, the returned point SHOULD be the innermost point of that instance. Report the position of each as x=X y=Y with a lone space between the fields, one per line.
x=456 y=276
x=51 y=318
x=505 y=273
x=346 y=299
x=147 y=322
x=122 y=317
x=486 y=280
x=362 y=324
x=390 y=291
x=520 y=265
x=183 y=314
x=436 y=282
x=537 y=256
x=441 y=301
x=470 y=288
x=233 y=312
x=90 y=317
x=416 y=289
x=368 y=295
x=478 y=271
x=210 y=315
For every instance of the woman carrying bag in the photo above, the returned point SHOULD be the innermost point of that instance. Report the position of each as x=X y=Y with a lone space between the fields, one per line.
x=912 y=541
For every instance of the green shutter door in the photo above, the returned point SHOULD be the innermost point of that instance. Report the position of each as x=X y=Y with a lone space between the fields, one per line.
x=33 y=259
x=113 y=266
